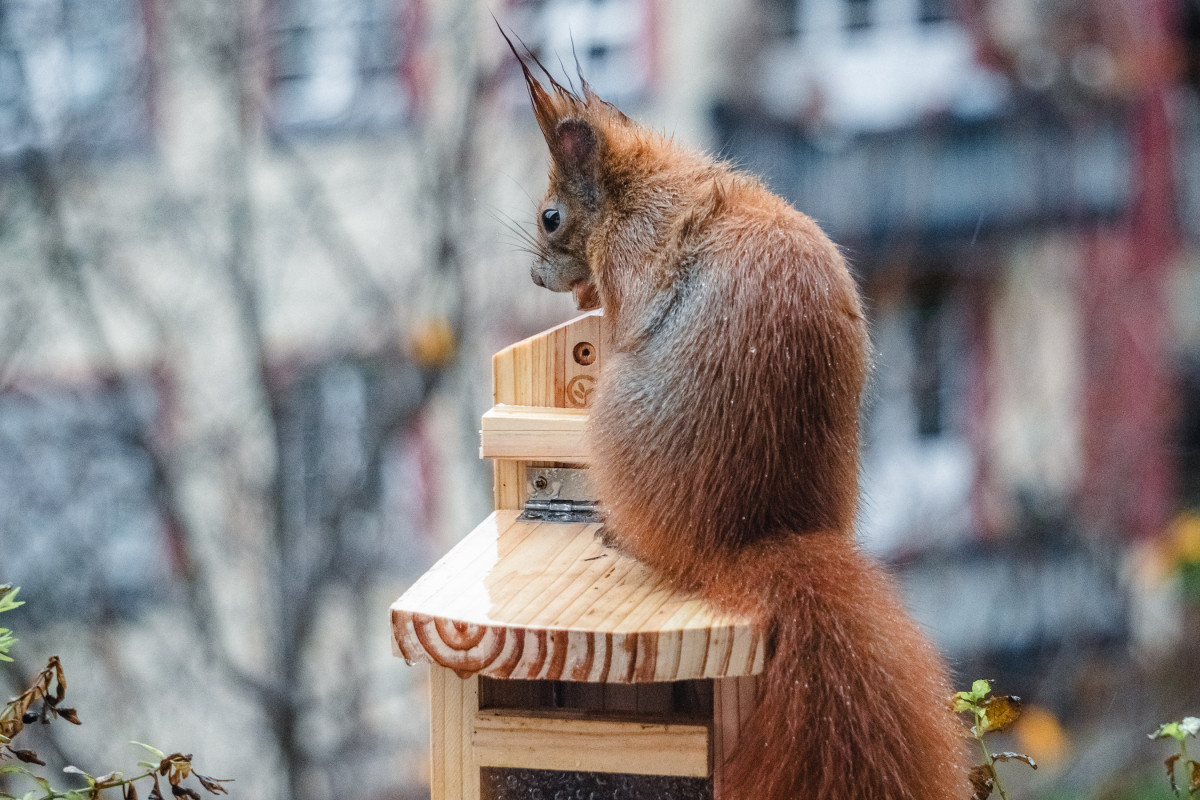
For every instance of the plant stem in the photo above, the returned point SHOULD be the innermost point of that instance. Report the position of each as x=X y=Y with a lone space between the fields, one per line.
x=987 y=756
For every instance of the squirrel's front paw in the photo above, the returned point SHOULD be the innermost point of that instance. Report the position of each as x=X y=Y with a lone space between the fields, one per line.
x=610 y=538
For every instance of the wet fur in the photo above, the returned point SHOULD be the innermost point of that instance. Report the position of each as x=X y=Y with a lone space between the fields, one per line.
x=725 y=446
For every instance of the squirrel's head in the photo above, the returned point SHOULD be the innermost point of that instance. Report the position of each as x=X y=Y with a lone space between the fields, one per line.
x=578 y=129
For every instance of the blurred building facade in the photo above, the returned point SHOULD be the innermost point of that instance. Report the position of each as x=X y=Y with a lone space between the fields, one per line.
x=1010 y=181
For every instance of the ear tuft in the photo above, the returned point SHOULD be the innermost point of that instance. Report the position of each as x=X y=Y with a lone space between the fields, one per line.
x=577 y=143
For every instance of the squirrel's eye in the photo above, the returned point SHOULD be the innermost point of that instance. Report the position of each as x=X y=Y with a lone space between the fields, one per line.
x=551 y=219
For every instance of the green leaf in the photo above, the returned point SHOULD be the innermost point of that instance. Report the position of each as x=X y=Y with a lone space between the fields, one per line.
x=1172 y=730
x=971 y=700
x=15 y=768
x=8 y=597
x=7 y=640
x=158 y=753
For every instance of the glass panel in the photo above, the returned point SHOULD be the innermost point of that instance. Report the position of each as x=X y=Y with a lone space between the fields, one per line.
x=675 y=697
x=506 y=783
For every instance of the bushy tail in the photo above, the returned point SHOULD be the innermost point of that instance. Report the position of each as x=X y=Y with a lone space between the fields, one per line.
x=854 y=701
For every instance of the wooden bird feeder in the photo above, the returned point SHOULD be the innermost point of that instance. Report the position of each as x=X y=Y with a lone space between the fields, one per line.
x=557 y=662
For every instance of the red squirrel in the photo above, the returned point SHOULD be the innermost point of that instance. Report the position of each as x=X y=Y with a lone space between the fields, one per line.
x=724 y=444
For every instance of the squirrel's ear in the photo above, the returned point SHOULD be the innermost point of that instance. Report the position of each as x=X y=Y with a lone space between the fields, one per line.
x=577 y=147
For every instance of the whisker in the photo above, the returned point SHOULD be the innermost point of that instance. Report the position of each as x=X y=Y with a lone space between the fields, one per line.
x=521 y=186
x=511 y=224
x=523 y=240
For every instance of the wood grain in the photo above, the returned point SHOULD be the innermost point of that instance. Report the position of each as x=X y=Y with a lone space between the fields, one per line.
x=454 y=773
x=547 y=601
x=590 y=743
x=534 y=433
x=733 y=703
x=556 y=368
x=544 y=370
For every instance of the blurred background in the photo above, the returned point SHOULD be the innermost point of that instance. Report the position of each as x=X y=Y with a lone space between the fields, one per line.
x=255 y=257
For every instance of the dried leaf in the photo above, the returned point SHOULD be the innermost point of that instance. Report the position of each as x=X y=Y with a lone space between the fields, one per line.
x=1194 y=783
x=129 y=792
x=983 y=780
x=29 y=757
x=108 y=780
x=1000 y=712
x=1169 y=761
x=156 y=792
x=60 y=677
x=213 y=785
x=183 y=791
x=69 y=715
x=1015 y=757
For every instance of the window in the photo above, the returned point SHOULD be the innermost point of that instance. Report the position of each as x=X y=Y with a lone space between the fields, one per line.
x=930 y=11
x=357 y=462
x=918 y=463
x=80 y=528
x=612 y=39
x=342 y=64
x=858 y=14
x=73 y=75
x=939 y=359
x=786 y=16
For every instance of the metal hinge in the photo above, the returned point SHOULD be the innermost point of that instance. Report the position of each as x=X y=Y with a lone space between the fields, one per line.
x=561 y=511
x=558 y=495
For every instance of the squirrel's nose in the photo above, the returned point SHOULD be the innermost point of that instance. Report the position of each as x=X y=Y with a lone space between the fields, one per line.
x=537 y=279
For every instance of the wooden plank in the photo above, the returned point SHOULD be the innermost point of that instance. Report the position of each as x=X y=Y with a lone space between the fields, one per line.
x=509 y=484
x=466 y=566
x=733 y=703
x=469 y=761
x=505 y=418
x=534 y=433
x=454 y=772
x=452 y=696
x=438 y=733
x=519 y=599
x=558 y=367
x=580 y=742
x=578 y=350
x=527 y=595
